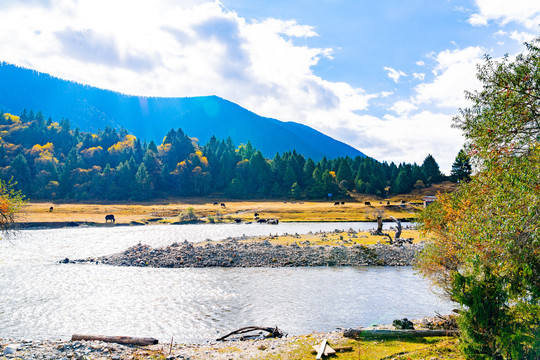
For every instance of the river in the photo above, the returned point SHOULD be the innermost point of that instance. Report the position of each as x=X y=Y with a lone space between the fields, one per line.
x=41 y=299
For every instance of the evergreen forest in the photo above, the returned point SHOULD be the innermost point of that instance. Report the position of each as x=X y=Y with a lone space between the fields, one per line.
x=51 y=160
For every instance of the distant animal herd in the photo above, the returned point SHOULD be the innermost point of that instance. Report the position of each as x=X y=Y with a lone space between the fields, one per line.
x=110 y=217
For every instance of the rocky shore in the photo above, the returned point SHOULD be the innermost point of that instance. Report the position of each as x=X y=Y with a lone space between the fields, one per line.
x=260 y=254
x=288 y=347
x=90 y=350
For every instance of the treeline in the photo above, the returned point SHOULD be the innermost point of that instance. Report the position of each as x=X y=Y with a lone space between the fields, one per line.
x=50 y=160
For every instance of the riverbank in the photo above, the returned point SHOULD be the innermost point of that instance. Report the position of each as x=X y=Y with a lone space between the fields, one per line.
x=202 y=210
x=288 y=348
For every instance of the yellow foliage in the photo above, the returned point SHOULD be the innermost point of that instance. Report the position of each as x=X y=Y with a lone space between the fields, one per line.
x=163 y=149
x=17 y=127
x=83 y=171
x=11 y=148
x=54 y=125
x=127 y=143
x=332 y=173
x=53 y=183
x=91 y=152
x=204 y=161
x=13 y=118
x=37 y=149
x=197 y=170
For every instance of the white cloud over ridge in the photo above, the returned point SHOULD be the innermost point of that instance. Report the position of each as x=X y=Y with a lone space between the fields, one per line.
x=170 y=50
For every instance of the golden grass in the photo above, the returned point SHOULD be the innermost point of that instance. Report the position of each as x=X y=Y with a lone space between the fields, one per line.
x=245 y=210
x=344 y=238
x=413 y=349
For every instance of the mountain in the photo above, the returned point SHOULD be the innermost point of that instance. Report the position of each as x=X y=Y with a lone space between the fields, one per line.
x=150 y=118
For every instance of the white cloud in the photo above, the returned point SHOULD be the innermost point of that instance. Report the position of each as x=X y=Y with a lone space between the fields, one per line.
x=403 y=107
x=413 y=137
x=477 y=20
x=524 y=12
x=419 y=76
x=420 y=63
x=454 y=73
x=394 y=74
x=521 y=37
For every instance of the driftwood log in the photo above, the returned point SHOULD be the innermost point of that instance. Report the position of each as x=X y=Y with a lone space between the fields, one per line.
x=366 y=333
x=126 y=340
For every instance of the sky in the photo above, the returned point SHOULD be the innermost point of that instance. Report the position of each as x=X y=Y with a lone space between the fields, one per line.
x=385 y=77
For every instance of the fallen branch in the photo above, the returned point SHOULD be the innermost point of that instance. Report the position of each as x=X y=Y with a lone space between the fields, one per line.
x=363 y=333
x=127 y=340
x=272 y=332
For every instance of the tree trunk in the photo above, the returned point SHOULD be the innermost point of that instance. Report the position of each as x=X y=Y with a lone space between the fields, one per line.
x=398 y=232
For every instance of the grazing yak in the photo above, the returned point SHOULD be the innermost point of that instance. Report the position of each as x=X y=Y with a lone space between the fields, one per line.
x=367 y=203
x=223 y=205
x=51 y=209
x=336 y=203
x=109 y=217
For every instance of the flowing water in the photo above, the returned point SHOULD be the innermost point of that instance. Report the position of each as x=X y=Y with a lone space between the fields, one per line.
x=40 y=298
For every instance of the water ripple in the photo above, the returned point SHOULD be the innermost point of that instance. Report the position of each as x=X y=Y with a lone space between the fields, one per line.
x=42 y=299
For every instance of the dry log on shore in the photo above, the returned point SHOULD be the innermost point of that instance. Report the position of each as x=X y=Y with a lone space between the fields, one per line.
x=366 y=333
x=126 y=340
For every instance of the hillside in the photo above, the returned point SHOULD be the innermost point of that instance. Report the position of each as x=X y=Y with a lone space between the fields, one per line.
x=150 y=118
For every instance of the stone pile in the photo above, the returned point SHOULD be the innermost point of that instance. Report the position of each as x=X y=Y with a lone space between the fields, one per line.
x=260 y=254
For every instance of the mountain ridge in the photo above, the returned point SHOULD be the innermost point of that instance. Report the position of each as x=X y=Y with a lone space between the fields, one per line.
x=150 y=118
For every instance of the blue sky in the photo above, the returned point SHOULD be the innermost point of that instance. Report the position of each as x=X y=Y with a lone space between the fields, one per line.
x=383 y=76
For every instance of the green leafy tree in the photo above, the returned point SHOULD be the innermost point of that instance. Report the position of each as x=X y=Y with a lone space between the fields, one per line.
x=486 y=248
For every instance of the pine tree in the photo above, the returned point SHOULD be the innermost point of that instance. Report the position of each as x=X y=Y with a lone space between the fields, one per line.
x=461 y=168
x=431 y=170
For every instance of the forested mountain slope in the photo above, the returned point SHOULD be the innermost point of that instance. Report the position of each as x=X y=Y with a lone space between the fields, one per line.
x=150 y=118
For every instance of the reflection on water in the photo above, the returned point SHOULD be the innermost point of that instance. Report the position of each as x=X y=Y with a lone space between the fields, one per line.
x=42 y=299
